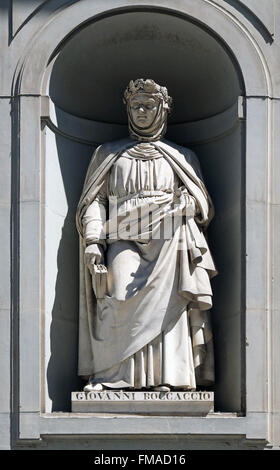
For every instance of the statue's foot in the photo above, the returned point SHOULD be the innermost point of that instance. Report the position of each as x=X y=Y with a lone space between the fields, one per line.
x=93 y=387
x=162 y=388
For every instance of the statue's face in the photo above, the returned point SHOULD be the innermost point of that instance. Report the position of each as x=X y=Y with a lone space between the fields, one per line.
x=143 y=109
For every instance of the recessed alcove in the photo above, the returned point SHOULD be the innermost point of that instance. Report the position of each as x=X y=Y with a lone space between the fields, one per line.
x=87 y=80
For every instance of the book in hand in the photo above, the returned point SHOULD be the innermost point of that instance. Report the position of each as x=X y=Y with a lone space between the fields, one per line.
x=99 y=278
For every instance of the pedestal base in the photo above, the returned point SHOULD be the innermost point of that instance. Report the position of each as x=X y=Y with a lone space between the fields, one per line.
x=174 y=403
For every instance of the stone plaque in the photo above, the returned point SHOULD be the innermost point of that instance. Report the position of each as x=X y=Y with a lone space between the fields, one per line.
x=144 y=402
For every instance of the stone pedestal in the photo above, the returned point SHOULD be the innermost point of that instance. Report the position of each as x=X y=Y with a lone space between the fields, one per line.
x=181 y=403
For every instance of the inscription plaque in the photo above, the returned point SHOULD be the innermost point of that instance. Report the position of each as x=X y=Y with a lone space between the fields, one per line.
x=144 y=402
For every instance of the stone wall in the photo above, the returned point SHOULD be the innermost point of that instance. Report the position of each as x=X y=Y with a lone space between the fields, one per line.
x=224 y=55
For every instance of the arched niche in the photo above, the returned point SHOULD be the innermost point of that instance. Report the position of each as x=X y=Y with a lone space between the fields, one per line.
x=87 y=77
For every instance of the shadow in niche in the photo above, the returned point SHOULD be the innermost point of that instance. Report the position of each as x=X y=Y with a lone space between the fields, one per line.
x=62 y=376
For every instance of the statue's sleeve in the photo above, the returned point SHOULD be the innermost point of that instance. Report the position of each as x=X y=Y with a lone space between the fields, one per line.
x=95 y=217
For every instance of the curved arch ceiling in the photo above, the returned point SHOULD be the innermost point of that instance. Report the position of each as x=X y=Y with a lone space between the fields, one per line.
x=96 y=64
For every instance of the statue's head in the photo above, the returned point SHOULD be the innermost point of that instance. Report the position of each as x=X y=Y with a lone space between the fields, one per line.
x=148 y=105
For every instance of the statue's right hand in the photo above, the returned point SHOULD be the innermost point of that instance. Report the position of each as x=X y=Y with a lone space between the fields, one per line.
x=94 y=254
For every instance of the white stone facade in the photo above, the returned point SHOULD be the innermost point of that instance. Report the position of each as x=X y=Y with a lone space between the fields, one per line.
x=227 y=53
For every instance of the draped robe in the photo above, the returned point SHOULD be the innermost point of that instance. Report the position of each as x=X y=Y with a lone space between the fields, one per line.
x=153 y=325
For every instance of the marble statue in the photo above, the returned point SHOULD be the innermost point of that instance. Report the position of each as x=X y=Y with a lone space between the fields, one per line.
x=145 y=266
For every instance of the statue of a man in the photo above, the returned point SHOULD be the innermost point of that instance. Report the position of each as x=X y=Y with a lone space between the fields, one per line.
x=142 y=214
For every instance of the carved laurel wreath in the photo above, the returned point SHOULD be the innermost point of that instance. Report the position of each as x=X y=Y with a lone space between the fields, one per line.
x=147 y=86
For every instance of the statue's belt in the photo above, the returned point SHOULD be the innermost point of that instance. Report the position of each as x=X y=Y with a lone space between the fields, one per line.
x=144 y=193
